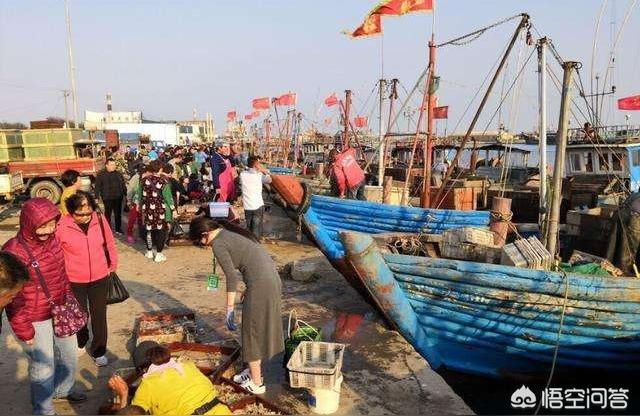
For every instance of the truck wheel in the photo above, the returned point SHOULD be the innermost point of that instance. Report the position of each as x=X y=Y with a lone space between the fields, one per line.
x=46 y=189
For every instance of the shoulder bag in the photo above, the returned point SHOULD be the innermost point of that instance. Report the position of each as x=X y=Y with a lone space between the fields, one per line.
x=116 y=292
x=68 y=316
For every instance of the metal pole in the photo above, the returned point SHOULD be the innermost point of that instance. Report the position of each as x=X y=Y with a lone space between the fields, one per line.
x=561 y=149
x=381 y=150
x=425 y=200
x=72 y=68
x=65 y=94
x=523 y=23
x=542 y=135
x=347 y=109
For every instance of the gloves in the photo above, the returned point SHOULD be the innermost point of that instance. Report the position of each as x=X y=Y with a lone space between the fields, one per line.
x=230 y=320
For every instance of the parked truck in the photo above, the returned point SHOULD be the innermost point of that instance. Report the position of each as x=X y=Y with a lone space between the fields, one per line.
x=46 y=154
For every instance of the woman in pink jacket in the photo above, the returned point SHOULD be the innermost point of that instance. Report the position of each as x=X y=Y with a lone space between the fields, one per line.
x=82 y=241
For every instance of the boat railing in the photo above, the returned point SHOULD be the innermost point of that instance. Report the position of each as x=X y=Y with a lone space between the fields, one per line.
x=611 y=134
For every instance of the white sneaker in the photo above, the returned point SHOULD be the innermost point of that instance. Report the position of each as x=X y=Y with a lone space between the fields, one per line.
x=160 y=258
x=101 y=361
x=253 y=387
x=242 y=377
x=149 y=254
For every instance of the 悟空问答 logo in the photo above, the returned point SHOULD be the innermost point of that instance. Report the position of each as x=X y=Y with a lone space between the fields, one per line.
x=523 y=398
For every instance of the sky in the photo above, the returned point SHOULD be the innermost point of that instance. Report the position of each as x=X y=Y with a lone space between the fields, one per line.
x=167 y=57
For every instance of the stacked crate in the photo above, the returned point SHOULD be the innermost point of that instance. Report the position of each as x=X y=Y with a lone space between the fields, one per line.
x=11 y=146
x=45 y=144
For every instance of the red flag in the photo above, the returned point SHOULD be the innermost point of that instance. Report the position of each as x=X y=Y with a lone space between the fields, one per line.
x=231 y=115
x=260 y=103
x=361 y=122
x=629 y=103
x=371 y=26
x=441 y=112
x=331 y=100
x=248 y=116
x=255 y=114
x=400 y=7
x=286 y=99
x=373 y=22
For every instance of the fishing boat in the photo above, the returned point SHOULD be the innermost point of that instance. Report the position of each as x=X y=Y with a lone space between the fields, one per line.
x=501 y=321
x=325 y=217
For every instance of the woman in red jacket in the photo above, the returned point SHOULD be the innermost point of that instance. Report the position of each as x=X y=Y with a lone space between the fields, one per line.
x=52 y=360
x=82 y=241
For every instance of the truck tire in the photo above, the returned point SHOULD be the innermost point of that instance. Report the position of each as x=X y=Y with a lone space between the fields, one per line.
x=46 y=189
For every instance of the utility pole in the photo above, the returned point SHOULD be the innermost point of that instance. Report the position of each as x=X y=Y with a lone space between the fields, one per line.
x=381 y=86
x=65 y=94
x=561 y=149
x=542 y=128
x=72 y=68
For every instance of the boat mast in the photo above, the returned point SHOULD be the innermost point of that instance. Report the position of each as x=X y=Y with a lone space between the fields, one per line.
x=542 y=129
x=523 y=23
x=381 y=86
x=561 y=149
x=347 y=109
x=425 y=200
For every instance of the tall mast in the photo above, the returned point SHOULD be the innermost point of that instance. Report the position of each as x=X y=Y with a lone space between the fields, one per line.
x=542 y=127
x=381 y=85
x=72 y=68
x=425 y=200
x=561 y=149
x=347 y=109
x=523 y=23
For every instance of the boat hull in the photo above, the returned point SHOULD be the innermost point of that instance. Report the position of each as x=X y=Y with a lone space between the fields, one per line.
x=500 y=321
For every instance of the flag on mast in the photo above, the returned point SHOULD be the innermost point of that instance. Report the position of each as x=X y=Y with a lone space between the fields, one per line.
x=361 y=122
x=629 y=103
x=372 y=24
x=260 y=103
x=441 y=112
x=331 y=100
x=286 y=99
x=231 y=115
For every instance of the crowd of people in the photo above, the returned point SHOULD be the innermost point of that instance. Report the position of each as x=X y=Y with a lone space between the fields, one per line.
x=64 y=255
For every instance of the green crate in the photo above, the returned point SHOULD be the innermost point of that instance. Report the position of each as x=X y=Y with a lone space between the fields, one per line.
x=50 y=136
x=11 y=154
x=32 y=152
x=10 y=137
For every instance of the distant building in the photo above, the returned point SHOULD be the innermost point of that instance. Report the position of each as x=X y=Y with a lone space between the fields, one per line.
x=96 y=121
x=191 y=131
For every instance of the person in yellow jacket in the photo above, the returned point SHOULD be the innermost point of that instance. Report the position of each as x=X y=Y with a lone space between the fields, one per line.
x=169 y=387
x=71 y=180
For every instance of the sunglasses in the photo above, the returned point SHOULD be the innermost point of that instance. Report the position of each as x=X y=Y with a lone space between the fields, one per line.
x=82 y=214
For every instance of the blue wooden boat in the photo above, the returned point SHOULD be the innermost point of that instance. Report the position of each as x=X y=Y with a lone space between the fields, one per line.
x=324 y=217
x=502 y=321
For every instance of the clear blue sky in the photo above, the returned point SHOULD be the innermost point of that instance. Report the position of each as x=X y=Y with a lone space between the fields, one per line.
x=167 y=57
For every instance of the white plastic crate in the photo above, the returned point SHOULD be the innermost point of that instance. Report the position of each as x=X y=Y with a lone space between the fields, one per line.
x=316 y=365
x=219 y=209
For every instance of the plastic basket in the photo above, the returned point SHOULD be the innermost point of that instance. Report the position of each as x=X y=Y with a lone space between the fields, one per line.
x=296 y=333
x=315 y=365
x=219 y=209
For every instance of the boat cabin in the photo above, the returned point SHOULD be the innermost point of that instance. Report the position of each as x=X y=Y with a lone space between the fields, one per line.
x=608 y=151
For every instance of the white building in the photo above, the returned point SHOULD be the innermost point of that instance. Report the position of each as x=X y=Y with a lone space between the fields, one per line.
x=96 y=121
x=160 y=133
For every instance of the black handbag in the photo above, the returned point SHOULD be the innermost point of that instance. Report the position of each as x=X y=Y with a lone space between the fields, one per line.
x=116 y=292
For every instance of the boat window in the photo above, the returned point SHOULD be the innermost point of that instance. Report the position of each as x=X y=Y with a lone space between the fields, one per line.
x=635 y=157
x=617 y=161
x=588 y=165
x=603 y=162
x=576 y=165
